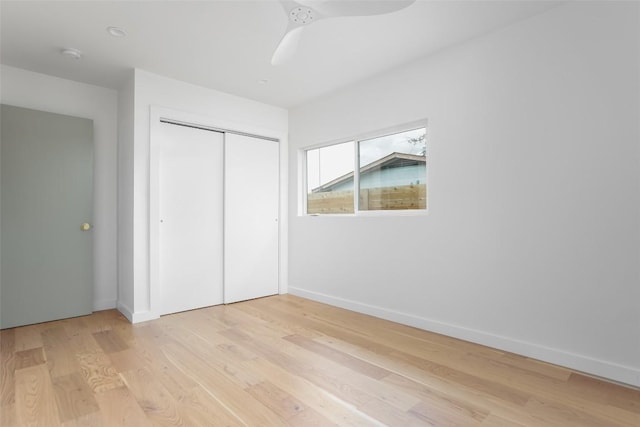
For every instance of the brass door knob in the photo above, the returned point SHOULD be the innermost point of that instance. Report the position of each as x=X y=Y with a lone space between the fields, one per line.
x=85 y=226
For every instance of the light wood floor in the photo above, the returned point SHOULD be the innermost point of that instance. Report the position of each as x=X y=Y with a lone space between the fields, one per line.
x=284 y=361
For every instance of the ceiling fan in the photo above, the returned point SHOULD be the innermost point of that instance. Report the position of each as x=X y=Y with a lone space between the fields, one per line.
x=302 y=13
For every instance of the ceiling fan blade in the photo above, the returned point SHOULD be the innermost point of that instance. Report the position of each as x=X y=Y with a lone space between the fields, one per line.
x=287 y=46
x=332 y=8
x=301 y=13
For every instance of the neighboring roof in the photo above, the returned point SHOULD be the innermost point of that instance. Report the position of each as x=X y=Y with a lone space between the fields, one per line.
x=393 y=160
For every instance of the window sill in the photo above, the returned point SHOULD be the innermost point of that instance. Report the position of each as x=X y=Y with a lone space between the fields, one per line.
x=372 y=214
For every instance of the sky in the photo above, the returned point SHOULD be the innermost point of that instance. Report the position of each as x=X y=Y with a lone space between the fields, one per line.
x=328 y=163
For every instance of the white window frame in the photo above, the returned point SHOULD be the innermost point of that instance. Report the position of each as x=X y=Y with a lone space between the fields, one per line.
x=302 y=161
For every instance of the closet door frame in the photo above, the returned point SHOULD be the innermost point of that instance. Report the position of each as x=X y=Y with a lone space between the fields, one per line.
x=157 y=114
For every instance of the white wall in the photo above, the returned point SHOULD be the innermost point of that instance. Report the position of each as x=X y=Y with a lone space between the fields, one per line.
x=185 y=100
x=126 y=107
x=41 y=92
x=532 y=240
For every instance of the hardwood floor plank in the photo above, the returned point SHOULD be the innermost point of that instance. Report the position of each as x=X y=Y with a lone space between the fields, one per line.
x=280 y=402
x=8 y=415
x=7 y=378
x=416 y=381
x=93 y=419
x=52 y=334
x=466 y=392
x=532 y=365
x=35 y=401
x=28 y=358
x=98 y=372
x=433 y=347
x=228 y=392
x=623 y=398
x=109 y=341
x=28 y=337
x=310 y=418
x=329 y=375
x=426 y=384
x=106 y=320
x=61 y=359
x=7 y=341
x=73 y=396
x=81 y=340
x=337 y=356
x=281 y=321
x=203 y=410
x=455 y=407
x=496 y=421
x=317 y=373
x=554 y=413
x=7 y=369
x=119 y=407
x=331 y=328
x=153 y=398
x=236 y=352
x=440 y=415
x=544 y=388
x=284 y=360
x=493 y=388
x=128 y=360
x=329 y=406
x=229 y=316
x=173 y=380
x=390 y=416
x=209 y=352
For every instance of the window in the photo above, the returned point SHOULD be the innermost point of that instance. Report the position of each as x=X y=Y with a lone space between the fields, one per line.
x=391 y=174
x=330 y=179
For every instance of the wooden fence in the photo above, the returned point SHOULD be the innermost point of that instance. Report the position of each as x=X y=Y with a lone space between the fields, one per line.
x=381 y=198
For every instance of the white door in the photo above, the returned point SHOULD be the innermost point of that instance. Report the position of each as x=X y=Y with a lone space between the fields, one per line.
x=251 y=218
x=190 y=211
x=47 y=196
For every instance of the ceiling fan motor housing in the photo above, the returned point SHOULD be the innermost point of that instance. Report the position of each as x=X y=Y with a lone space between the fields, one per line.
x=301 y=15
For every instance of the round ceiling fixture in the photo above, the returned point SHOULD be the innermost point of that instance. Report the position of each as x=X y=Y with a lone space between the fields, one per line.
x=72 y=53
x=116 y=31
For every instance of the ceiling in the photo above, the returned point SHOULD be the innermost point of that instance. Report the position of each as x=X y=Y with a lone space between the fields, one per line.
x=227 y=45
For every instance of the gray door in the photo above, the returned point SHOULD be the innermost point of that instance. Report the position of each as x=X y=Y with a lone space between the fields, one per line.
x=46 y=207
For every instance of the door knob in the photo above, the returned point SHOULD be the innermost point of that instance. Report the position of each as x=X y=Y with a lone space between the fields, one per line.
x=85 y=226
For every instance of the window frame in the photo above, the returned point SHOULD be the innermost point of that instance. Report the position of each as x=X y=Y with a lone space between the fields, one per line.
x=356 y=139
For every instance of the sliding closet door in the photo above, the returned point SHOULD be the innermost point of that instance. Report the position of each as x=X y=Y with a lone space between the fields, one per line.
x=190 y=211
x=251 y=218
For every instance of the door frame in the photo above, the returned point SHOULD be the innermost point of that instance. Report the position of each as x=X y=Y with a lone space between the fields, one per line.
x=224 y=125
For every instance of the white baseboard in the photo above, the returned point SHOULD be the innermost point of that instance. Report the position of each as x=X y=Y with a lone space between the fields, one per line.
x=125 y=310
x=601 y=368
x=144 y=316
x=104 y=305
x=136 y=317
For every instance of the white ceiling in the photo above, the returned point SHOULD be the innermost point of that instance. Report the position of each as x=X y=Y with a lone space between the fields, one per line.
x=227 y=45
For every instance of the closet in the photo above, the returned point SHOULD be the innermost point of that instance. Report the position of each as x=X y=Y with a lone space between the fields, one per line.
x=217 y=213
